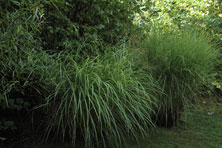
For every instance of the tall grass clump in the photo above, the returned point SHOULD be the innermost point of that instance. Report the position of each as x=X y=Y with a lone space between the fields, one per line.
x=100 y=99
x=181 y=62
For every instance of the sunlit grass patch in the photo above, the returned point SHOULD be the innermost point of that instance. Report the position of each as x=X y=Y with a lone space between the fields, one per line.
x=182 y=62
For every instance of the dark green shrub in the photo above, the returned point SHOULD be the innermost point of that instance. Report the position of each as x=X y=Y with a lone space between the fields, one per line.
x=68 y=24
x=64 y=25
x=23 y=65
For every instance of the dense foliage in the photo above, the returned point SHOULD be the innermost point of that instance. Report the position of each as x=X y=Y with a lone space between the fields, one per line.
x=94 y=72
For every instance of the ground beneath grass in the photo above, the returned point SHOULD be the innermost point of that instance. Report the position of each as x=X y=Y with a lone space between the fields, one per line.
x=201 y=128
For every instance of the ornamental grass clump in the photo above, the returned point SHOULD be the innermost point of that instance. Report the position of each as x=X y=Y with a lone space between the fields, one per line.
x=181 y=61
x=100 y=99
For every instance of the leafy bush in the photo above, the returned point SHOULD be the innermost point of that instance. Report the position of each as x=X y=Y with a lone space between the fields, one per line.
x=66 y=24
x=100 y=99
x=17 y=65
x=181 y=64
